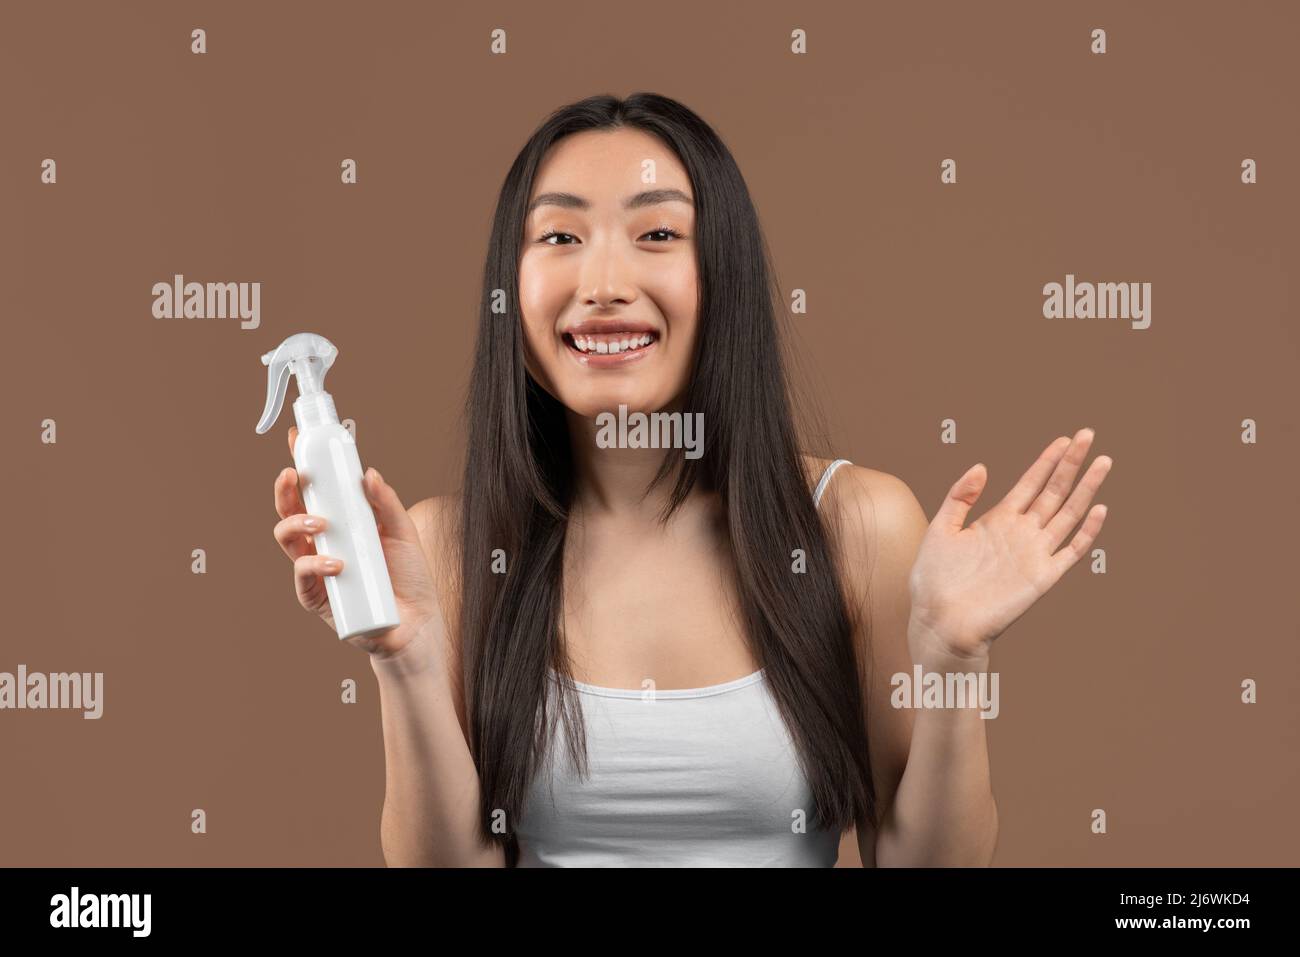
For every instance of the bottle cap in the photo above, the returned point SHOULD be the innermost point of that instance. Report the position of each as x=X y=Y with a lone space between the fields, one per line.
x=304 y=355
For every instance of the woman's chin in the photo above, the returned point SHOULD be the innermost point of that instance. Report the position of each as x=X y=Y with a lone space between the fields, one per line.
x=608 y=403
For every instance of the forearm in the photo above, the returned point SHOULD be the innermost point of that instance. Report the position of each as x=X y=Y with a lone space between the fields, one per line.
x=431 y=786
x=943 y=813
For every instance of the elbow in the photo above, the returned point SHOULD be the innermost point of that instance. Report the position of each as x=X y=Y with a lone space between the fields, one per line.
x=973 y=846
x=473 y=853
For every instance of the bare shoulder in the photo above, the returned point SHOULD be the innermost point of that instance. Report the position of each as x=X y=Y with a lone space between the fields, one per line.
x=434 y=515
x=874 y=500
x=873 y=515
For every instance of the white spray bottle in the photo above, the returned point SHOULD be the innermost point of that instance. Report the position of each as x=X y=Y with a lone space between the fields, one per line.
x=329 y=476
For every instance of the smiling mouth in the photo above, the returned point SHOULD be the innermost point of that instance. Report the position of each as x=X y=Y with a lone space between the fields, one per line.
x=609 y=343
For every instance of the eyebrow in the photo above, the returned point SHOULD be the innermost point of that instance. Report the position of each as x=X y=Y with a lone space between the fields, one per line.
x=650 y=197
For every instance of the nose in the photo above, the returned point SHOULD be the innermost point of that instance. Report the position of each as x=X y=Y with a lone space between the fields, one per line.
x=606 y=277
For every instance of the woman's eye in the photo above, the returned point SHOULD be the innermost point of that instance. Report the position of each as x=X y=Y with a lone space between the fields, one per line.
x=550 y=234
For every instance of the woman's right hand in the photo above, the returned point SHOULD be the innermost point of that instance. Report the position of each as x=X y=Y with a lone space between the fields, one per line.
x=417 y=600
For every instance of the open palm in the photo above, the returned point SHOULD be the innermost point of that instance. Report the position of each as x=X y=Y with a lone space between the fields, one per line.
x=969 y=584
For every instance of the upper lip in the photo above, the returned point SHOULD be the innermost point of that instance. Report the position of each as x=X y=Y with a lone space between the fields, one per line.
x=595 y=327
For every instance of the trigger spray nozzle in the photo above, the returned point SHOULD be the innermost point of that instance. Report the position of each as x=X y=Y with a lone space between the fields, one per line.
x=304 y=355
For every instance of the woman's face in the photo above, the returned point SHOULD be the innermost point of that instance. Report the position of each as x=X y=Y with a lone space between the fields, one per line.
x=608 y=293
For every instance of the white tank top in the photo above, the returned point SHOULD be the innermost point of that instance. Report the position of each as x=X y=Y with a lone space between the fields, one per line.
x=688 y=777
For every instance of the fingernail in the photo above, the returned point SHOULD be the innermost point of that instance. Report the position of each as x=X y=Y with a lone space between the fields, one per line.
x=331 y=564
x=311 y=524
x=377 y=478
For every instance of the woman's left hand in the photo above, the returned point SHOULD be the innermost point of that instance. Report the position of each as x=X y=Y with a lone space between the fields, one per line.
x=969 y=584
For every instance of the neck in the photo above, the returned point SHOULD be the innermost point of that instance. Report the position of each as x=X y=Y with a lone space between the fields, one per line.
x=610 y=482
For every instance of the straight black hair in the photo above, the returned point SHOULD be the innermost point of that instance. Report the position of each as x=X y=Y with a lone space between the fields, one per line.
x=518 y=485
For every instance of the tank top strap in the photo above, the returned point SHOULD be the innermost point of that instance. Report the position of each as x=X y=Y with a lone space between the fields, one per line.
x=825 y=480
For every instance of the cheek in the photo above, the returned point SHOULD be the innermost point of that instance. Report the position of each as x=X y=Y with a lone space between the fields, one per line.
x=536 y=307
x=532 y=287
x=679 y=293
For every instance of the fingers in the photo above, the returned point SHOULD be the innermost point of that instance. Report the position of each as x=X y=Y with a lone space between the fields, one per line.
x=308 y=571
x=965 y=492
x=1077 y=504
x=287 y=500
x=390 y=515
x=1062 y=479
x=294 y=530
x=295 y=534
x=1022 y=494
x=1063 y=560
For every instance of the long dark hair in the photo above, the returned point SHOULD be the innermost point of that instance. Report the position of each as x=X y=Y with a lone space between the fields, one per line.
x=518 y=484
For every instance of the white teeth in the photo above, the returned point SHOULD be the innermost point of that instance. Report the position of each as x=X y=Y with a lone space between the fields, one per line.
x=611 y=347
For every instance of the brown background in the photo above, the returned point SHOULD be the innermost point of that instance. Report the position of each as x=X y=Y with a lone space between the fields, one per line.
x=1119 y=691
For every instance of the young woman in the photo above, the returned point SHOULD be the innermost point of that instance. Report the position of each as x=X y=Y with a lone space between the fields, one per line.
x=672 y=656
